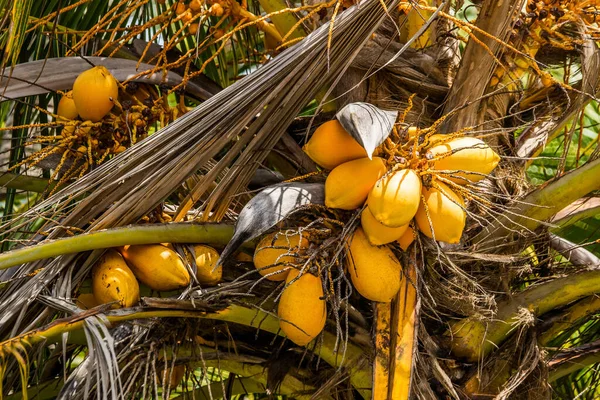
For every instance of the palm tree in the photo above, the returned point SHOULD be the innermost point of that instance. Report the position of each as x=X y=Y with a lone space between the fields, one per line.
x=203 y=145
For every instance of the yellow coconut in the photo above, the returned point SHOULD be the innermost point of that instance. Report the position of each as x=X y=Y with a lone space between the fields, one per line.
x=302 y=309
x=376 y=232
x=157 y=266
x=206 y=258
x=94 y=93
x=349 y=184
x=331 y=146
x=465 y=154
x=112 y=280
x=375 y=271
x=395 y=198
x=276 y=252
x=407 y=238
x=86 y=301
x=446 y=211
x=66 y=107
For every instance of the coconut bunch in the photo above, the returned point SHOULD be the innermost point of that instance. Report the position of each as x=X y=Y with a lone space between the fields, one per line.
x=302 y=309
x=416 y=181
x=117 y=275
x=100 y=118
x=403 y=183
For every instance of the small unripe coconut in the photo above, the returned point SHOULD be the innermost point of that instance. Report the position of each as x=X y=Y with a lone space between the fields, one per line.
x=186 y=16
x=180 y=8
x=112 y=280
x=278 y=248
x=446 y=211
x=465 y=154
x=193 y=29
x=302 y=309
x=218 y=33
x=216 y=10
x=377 y=233
x=407 y=238
x=375 y=271
x=395 y=198
x=195 y=5
x=66 y=106
x=330 y=145
x=349 y=184
x=94 y=93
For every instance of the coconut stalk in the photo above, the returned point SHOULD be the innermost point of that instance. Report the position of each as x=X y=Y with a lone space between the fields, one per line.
x=395 y=341
x=541 y=204
x=350 y=356
x=289 y=386
x=23 y=182
x=383 y=340
x=284 y=21
x=215 y=234
x=579 y=311
x=473 y=338
x=573 y=360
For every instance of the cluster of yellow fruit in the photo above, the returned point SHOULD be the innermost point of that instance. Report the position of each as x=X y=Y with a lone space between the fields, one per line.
x=115 y=276
x=99 y=120
x=95 y=93
x=420 y=179
x=93 y=96
x=186 y=12
x=302 y=309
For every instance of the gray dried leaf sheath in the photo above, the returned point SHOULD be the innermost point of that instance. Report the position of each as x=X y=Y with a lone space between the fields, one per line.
x=43 y=76
x=269 y=207
x=369 y=125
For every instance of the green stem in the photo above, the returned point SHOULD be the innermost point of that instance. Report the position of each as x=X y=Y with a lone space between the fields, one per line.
x=472 y=338
x=23 y=182
x=586 y=356
x=578 y=311
x=44 y=391
x=576 y=211
x=216 y=234
x=290 y=385
x=240 y=386
x=354 y=358
x=543 y=203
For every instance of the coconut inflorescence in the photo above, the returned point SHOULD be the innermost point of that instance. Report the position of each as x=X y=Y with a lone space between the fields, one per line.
x=158 y=266
x=422 y=177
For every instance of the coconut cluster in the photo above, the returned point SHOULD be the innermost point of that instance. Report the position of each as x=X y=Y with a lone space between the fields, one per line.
x=398 y=190
x=100 y=118
x=302 y=309
x=117 y=275
x=416 y=182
